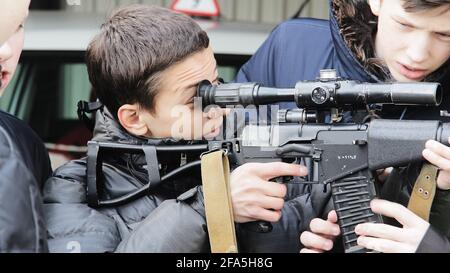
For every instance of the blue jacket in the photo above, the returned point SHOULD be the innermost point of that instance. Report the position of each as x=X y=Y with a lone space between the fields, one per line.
x=297 y=50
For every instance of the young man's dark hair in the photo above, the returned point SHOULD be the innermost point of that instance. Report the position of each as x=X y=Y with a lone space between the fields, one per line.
x=126 y=58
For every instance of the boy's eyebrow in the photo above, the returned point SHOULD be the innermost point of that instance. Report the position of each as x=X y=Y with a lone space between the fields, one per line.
x=193 y=85
x=405 y=21
x=197 y=84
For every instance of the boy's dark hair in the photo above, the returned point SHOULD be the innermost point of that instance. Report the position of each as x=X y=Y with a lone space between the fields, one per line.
x=135 y=45
x=418 y=5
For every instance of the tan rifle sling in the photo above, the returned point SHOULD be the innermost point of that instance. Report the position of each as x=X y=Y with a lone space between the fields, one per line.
x=424 y=190
x=218 y=207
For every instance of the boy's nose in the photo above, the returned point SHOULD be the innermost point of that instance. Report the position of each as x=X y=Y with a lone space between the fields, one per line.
x=5 y=52
x=419 y=51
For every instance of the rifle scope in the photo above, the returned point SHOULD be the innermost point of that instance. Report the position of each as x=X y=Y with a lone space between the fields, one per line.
x=321 y=94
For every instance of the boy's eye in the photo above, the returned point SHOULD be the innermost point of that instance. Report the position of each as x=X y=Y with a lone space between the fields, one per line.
x=445 y=37
x=404 y=25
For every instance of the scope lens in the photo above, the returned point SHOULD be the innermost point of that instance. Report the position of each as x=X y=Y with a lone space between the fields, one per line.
x=319 y=95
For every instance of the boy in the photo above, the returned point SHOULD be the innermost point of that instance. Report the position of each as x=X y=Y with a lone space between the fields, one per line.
x=144 y=65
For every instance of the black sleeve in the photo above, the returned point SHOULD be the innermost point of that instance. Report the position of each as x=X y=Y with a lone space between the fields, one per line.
x=28 y=146
x=21 y=215
x=434 y=242
x=175 y=226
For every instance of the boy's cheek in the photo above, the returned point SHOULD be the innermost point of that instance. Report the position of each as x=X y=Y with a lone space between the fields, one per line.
x=195 y=126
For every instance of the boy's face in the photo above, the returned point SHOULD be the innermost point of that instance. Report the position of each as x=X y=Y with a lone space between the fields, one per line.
x=174 y=113
x=12 y=13
x=413 y=44
x=9 y=55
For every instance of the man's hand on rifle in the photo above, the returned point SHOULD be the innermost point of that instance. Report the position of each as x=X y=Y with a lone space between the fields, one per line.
x=254 y=196
x=385 y=238
x=322 y=235
x=391 y=239
x=439 y=155
x=378 y=237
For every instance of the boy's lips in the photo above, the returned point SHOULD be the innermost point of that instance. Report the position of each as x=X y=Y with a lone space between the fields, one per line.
x=412 y=73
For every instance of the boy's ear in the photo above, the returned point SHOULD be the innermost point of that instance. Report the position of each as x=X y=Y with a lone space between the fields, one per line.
x=130 y=119
x=375 y=6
